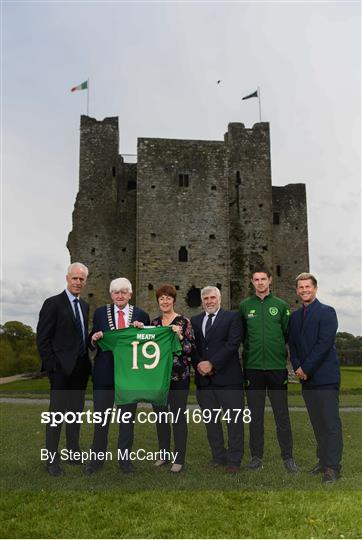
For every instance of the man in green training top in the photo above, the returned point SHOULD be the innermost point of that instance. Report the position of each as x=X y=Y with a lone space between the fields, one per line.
x=265 y=319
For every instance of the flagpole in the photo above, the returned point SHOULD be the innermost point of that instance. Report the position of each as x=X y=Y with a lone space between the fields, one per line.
x=87 y=97
x=259 y=104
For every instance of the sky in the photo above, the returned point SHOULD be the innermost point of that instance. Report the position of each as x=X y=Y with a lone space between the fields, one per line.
x=155 y=66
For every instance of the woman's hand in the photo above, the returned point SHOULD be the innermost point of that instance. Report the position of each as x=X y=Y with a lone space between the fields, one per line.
x=178 y=330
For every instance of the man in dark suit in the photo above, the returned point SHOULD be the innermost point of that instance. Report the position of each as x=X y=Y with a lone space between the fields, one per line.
x=219 y=380
x=120 y=314
x=313 y=353
x=61 y=338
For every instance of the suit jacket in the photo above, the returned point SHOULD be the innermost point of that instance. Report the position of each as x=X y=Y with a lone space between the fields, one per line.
x=103 y=368
x=312 y=344
x=58 y=339
x=220 y=347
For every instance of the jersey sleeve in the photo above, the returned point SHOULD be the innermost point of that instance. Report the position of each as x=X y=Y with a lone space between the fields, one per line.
x=109 y=340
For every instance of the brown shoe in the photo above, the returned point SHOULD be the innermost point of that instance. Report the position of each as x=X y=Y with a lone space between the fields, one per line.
x=330 y=475
x=232 y=469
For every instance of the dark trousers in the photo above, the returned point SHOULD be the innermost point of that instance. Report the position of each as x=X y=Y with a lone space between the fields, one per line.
x=176 y=404
x=67 y=394
x=323 y=408
x=103 y=399
x=231 y=401
x=275 y=383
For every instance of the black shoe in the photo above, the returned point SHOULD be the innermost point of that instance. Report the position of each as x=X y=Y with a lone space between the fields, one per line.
x=290 y=465
x=330 y=475
x=92 y=467
x=126 y=468
x=317 y=469
x=255 y=463
x=54 y=469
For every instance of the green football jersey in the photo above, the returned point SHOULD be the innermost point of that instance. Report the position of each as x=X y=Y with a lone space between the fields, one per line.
x=143 y=361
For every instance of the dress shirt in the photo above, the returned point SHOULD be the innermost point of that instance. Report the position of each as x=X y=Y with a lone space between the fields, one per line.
x=205 y=320
x=126 y=315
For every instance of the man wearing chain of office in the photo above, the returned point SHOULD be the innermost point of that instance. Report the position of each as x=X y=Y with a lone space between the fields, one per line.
x=119 y=314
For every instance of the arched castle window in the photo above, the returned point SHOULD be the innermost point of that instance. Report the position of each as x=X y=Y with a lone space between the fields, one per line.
x=183 y=255
x=279 y=270
x=193 y=297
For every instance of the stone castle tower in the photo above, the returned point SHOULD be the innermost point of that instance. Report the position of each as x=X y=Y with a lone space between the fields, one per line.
x=189 y=212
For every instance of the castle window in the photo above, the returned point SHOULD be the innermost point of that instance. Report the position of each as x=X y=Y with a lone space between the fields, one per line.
x=177 y=287
x=183 y=255
x=212 y=236
x=276 y=218
x=153 y=186
x=183 y=180
x=90 y=295
x=218 y=285
x=193 y=297
x=279 y=270
x=93 y=250
x=113 y=171
x=131 y=184
x=213 y=188
x=261 y=205
x=150 y=287
x=123 y=250
x=238 y=178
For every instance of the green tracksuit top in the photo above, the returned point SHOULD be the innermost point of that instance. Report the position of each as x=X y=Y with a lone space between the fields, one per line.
x=266 y=328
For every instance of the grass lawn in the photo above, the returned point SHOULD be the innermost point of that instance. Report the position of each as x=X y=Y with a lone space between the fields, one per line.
x=351 y=389
x=200 y=503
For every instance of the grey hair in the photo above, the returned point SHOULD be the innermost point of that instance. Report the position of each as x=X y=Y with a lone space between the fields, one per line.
x=209 y=289
x=78 y=265
x=120 y=283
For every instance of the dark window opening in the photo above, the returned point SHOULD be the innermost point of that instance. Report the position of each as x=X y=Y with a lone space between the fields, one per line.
x=183 y=254
x=124 y=249
x=150 y=287
x=212 y=236
x=276 y=218
x=296 y=228
x=238 y=178
x=218 y=285
x=244 y=209
x=213 y=188
x=153 y=235
x=183 y=180
x=122 y=201
x=261 y=205
x=297 y=301
x=93 y=250
x=193 y=297
x=279 y=270
x=295 y=262
x=265 y=248
x=153 y=187
x=131 y=184
x=177 y=287
x=90 y=295
x=113 y=171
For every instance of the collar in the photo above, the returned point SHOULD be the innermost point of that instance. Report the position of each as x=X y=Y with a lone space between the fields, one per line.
x=269 y=295
x=71 y=296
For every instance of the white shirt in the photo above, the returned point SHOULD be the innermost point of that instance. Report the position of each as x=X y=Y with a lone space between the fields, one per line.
x=126 y=315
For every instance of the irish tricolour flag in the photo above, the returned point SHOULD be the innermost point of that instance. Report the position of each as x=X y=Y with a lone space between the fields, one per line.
x=82 y=86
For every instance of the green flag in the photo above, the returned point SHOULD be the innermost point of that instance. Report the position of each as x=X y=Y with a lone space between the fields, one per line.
x=143 y=361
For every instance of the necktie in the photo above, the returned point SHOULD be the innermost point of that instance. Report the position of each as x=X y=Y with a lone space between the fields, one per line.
x=208 y=322
x=78 y=322
x=121 y=322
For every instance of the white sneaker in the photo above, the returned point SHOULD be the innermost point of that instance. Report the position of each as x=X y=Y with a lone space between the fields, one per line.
x=159 y=462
